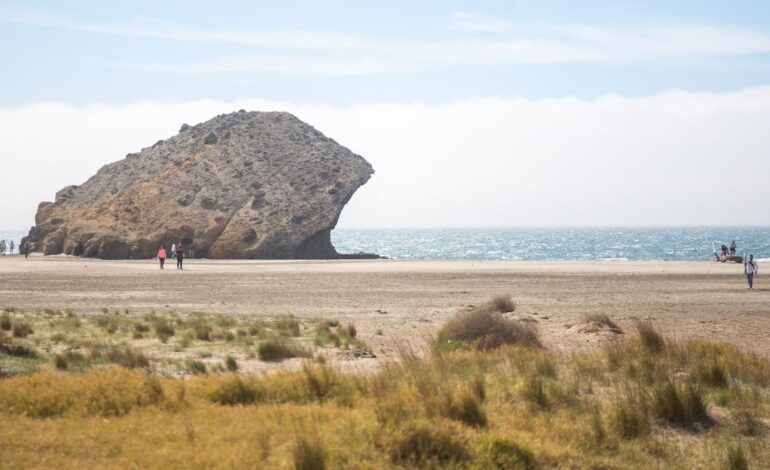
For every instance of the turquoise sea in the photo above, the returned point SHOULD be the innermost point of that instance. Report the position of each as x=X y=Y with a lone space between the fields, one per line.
x=533 y=244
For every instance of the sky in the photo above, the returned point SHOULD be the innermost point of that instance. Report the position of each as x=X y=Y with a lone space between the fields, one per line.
x=473 y=114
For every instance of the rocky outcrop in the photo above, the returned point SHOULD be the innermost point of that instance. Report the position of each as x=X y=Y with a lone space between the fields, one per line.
x=242 y=185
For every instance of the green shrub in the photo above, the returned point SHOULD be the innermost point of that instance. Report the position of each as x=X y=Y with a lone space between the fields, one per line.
x=196 y=367
x=123 y=355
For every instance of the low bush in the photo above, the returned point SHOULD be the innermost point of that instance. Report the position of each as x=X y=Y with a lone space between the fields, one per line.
x=505 y=455
x=163 y=329
x=422 y=443
x=278 y=349
x=628 y=417
x=196 y=367
x=484 y=329
x=122 y=355
x=21 y=329
x=231 y=364
x=502 y=304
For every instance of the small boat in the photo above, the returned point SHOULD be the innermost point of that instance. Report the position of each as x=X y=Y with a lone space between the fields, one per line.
x=725 y=258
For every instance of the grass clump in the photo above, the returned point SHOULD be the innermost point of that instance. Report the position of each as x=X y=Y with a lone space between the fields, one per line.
x=14 y=349
x=736 y=459
x=231 y=364
x=278 y=349
x=309 y=454
x=649 y=337
x=196 y=367
x=5 y=322
x=232 y=391
x=505 y=455
x=502 y=304
x=485 y=329
x=601 y=320
x=679 y=405
x=123 y=355
x=21 y=329
x=163 y=329
x=288 y=326
x=422 y=444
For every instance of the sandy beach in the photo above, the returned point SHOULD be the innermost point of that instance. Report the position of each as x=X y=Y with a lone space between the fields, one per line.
x=408 y=300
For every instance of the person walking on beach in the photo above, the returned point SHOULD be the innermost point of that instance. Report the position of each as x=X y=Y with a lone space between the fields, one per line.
x=162 y=256
x=751 y=269
x=179 y=255
x=11 y=250
x=173 y=249
x=733 y=247
x=26 y=249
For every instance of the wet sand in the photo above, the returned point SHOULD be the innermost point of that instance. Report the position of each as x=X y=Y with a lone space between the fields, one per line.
x=408 y=300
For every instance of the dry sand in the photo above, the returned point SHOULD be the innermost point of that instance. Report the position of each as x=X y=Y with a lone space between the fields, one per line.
x=411 y=299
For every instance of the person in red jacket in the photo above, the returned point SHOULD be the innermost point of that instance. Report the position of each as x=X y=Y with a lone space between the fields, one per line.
x=162 y=256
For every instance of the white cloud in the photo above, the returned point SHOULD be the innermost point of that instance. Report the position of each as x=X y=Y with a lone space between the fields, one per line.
x=321 y=53
x=668 y=159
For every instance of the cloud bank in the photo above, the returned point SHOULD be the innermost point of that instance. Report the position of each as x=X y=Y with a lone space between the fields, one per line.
x=675 y=158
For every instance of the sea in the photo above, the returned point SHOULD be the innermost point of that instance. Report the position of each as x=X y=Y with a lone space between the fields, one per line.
x=542 y=244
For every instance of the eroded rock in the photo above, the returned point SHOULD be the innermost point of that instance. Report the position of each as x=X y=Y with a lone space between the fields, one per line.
x=273 y=187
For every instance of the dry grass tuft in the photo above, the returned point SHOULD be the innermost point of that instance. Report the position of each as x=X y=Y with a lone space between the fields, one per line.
x=502 y=304
x=21 y=329
x=278 y=349
x=309 y=454
x=483 y=328
x=599 y=321
x=423 y=444
x=649 y=336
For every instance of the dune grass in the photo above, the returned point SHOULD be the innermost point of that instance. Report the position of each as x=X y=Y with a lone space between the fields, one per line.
x=645 y=401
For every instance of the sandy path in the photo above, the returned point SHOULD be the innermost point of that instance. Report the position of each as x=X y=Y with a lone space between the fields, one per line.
x=685 y=299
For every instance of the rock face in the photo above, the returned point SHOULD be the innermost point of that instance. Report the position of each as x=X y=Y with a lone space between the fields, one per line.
x=242 y=185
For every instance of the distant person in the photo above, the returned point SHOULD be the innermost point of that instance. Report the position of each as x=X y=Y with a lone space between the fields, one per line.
x=162 y=256
x=751 y=269
x=179 y=255
x=733 y=247
x=26 y=249
x=11 y=250
x=724 y=250
x=2 y=247
x=173 y=249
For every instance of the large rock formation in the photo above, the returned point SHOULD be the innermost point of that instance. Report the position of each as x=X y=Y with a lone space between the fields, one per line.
x=242 y=185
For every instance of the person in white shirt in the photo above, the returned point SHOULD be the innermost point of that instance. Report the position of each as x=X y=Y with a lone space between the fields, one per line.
x=751 y=269
x=173 y=249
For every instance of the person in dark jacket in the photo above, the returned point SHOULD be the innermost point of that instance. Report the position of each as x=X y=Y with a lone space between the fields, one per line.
x=179 y=255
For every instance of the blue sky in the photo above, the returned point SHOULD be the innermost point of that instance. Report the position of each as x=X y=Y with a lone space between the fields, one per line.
x=343 y=52
x=484 y=113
